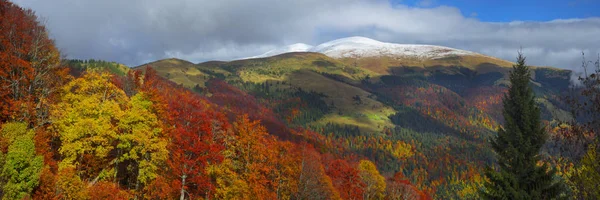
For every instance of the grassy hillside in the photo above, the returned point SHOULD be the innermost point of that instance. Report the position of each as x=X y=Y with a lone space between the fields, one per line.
x=306 y=71
x=442 y=109
x=387 y=65
x=353 y=106
x=179 y=71
x=349 y=84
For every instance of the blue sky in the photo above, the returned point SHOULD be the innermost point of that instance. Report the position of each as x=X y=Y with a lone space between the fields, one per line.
x=516 y=10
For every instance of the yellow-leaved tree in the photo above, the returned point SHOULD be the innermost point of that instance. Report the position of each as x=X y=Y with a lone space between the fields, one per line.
x=85 y=121
x=104 y=133
x=374 y=182
x=256 y=165
x=587 y=175
x=142 y=146
x=245 y=168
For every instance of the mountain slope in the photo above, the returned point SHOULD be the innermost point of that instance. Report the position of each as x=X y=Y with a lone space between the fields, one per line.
x=382 y=58
x=293 y=71
x=440 y=103
x=356 y=87
x=179 y=71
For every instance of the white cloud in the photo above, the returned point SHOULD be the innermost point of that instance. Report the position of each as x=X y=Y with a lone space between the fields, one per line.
x=137 y=31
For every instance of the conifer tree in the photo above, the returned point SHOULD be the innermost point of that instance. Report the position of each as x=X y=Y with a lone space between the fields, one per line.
x=517 y=146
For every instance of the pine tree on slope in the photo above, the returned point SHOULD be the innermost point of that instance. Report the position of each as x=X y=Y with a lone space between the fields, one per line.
x=517 y=146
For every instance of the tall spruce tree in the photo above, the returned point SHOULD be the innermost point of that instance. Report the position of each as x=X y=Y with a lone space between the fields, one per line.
x=517 y=146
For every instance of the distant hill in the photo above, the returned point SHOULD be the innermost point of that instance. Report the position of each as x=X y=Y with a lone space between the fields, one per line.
x=361 y=68
x=179 y=71
x=444 y=102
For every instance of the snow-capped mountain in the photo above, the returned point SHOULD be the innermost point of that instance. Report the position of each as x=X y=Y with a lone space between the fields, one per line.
x=366 y=47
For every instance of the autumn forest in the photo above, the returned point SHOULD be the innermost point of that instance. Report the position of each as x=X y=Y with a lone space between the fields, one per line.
x=263 y=129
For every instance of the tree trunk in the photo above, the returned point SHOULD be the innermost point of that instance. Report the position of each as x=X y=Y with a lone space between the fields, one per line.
x=182 y=195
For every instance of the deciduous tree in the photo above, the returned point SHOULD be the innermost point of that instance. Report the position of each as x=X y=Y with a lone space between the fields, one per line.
x=346 y=179
x=142 y=146
x=22 y=166
x=108 y=190
x=585 y=133
x=85 y=121
x=587 y=175
x=69 y=185
x=374 y=183
x=313 y=181
x=193 y=143
x=29 y=66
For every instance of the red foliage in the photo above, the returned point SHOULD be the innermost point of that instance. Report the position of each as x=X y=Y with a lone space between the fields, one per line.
x=28 y=65
x=45 y=147
x=345 y=179
x=15 y=43
x=487 y=99
x=398 y=187
x=131 y=83
x=192 y=124
x=469 y=114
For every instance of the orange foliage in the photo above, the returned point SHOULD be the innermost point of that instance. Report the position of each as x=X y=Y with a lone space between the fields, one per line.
x=313 y=181
x=161 y=188
x=107 y=190
x=29 y=70
x=69 y=185
x=44 y=146
x=47 y=186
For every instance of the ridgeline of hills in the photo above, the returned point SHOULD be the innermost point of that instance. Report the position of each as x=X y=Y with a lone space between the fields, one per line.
x=364 y=81
x=417 y=109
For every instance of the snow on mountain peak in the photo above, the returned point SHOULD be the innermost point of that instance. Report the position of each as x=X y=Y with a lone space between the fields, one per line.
x=367 y=47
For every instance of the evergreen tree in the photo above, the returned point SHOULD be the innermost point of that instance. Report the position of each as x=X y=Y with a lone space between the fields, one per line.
x=517 y=146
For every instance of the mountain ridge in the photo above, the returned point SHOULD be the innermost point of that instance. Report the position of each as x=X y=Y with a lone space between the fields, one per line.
x=451 y=103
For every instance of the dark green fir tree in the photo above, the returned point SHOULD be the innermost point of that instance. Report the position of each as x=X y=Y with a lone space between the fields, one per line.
x=517 y=146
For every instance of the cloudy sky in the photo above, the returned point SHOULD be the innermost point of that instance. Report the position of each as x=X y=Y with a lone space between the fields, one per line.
x=551 y=32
